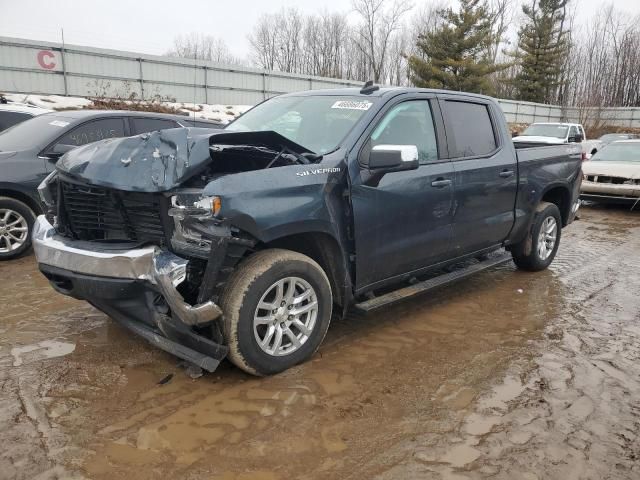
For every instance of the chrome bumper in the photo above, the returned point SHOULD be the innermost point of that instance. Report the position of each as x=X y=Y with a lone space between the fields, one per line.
x=158 y=267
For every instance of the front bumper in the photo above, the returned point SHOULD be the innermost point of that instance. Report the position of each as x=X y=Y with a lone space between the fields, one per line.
x=137 y=287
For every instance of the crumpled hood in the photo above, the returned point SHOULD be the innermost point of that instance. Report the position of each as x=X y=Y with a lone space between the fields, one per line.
x=151 y=162
x=158 y=161
x=612 y=169
x=535 y=139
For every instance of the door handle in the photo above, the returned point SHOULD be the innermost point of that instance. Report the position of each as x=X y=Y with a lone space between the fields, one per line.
x=507 y=173
x=441 y=183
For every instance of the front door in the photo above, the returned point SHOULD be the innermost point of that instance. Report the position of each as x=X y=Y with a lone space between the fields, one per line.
x=403 y=220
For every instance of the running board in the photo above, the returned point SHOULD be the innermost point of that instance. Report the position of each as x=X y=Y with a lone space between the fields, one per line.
x=435 y=282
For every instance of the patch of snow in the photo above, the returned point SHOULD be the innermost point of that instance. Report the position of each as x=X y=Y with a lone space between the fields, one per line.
x=42 y=350
x=219 y=113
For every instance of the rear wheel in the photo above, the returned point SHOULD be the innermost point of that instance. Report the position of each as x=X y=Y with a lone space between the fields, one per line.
x=539 y=248
x=16 y=221
x=277 y=309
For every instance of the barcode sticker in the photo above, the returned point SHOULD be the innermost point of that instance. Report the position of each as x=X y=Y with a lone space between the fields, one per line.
x=352 y=105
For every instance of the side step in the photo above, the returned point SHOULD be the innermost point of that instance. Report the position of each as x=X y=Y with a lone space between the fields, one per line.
x=439 y=281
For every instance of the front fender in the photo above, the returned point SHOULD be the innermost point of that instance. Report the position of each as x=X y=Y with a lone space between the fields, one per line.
x=282 y=201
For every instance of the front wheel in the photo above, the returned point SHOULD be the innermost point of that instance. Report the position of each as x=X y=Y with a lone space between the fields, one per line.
x=277 y=308
x=16 y=221
x=539 y=248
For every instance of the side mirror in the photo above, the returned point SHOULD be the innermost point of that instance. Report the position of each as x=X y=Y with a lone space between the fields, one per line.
x=575 y=139
x=58 y=150
x=393 y=158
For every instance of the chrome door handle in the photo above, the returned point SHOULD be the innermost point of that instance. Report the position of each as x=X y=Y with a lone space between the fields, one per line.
x=507 y=173
x=441 y=183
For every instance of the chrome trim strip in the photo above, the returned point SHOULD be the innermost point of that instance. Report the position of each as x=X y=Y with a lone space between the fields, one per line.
x=150 y=264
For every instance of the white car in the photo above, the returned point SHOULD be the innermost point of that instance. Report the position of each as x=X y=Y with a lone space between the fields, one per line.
x=613 y=174
x=13 y=113
x=559 y=133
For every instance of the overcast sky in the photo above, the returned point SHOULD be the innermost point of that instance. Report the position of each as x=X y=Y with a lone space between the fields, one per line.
x=149 y=26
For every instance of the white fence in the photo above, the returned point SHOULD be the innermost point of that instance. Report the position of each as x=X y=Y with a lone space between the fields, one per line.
x=28 y=66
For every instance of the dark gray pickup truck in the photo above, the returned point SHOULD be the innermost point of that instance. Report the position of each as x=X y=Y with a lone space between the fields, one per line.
x=242 y=243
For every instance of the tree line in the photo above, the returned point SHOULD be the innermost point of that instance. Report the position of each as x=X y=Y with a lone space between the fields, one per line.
x=532 y=50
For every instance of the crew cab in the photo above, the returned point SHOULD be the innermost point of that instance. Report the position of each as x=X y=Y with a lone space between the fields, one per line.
x=242 y=243
x=558 y=133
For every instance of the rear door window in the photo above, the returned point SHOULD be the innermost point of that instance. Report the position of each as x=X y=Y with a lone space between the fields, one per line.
x=472 y=129
x=144 y=125
x=93 y=131
x=9 y=119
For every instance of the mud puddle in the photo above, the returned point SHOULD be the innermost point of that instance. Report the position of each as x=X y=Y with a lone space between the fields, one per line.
x=505 y=375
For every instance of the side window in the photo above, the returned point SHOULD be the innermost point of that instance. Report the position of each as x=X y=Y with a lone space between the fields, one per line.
x=93 y=131
x=9 y=119
x=573 y=131
x=409 y=123
x=144 y=125
x=472 y=128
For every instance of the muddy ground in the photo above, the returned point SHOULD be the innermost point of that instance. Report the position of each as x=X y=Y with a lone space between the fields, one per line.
x=507 y=375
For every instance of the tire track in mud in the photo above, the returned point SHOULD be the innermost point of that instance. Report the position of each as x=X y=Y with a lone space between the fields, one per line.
x=572 y=412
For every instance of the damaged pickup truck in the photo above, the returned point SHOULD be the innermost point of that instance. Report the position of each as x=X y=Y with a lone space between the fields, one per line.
x=242 y=243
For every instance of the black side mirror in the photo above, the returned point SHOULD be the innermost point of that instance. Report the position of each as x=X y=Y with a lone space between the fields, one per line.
x=58 y=150
x=393 y=158
x=576 y=139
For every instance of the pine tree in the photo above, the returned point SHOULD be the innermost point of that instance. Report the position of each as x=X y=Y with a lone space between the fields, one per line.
x=454 y=56
x=543 y=46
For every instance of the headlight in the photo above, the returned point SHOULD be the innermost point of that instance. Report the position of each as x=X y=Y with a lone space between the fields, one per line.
x=45 y=192
x=185 y=205
x=192 y=215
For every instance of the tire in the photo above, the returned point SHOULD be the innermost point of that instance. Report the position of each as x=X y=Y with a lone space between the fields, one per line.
x=16 y=223
x=255 y=283
x=533 y=255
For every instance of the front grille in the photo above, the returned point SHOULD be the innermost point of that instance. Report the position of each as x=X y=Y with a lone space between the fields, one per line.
x=95 y=213
x=612 y=180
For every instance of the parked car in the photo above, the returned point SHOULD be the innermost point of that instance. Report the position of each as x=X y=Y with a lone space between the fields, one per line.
x=29 y=151
x=558 y=133
x=13 y=113
x=613 y=174
x=615 y=137
x=242 y=242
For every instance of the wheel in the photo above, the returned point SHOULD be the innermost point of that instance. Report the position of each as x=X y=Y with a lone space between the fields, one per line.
x=276 y=311
x=538 y=249
x=16 y=221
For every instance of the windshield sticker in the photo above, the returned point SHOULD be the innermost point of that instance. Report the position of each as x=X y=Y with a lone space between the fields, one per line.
x=318 y=171
x=59 y=123
x=352 y=105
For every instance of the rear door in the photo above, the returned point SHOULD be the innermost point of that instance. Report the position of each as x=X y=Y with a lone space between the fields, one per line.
x=485 y=173
x=403 y=219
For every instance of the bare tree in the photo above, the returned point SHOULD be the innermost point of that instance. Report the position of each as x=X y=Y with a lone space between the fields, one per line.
x=202 y=47
x=379 y=21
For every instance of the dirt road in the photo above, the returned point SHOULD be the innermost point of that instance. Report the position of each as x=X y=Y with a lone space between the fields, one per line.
x=507 y=375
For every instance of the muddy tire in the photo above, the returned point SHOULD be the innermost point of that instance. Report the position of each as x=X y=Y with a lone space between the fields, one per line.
x=277 y=308
x=539 y=248
x=16 y=222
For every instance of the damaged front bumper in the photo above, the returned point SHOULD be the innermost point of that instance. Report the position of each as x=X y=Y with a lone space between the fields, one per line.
x=137 y=287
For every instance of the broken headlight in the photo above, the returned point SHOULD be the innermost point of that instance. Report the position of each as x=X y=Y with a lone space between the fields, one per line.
x=48 y=191
x=193 y=214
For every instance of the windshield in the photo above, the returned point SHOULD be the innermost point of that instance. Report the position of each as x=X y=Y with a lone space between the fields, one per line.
x=317 y=123
x=619 y=152
x=543 y=130
x=35 y=132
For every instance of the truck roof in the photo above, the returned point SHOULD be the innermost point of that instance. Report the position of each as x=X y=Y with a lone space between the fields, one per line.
x=381 y=92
